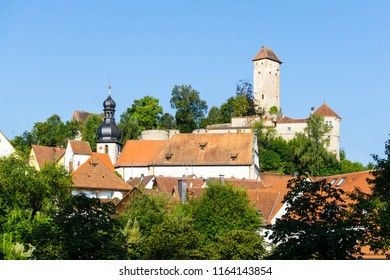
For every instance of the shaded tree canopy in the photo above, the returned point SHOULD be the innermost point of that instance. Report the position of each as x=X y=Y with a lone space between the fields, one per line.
x=89 y=132
x=190 y=109
x=317 y=224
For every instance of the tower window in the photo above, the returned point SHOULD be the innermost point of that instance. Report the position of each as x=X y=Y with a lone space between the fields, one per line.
x=106 y=149
x=262 y=96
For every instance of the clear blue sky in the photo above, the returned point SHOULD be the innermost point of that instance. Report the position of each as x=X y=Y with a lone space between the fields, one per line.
x=57 y=56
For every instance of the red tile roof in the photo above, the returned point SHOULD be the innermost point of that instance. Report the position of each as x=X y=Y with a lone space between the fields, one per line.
x=80 y=147
x=82 y=116
x=194 y=149
x=98 y=173
x=325 y=111
x=290 y=120
x=44 y=154
x=266 y=53
x=140 y=152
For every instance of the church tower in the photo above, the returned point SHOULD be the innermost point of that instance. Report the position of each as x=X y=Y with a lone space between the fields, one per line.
x=108 y=132
x=266 y=80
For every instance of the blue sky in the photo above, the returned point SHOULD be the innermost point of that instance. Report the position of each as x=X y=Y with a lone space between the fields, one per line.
x=57 y=57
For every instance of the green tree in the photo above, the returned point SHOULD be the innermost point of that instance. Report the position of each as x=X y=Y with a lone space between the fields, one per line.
x=90 y=129
x=245 y=88
x=146 y=111
x=223 y=208
x=175 y=238
x=190 y=109
x=22 y=144
x=227 y=110
x=53 y=132
x=129 y=127
x=167 y=122
x=310 y=149
x=274 y=152
x=214 y=116
x=236 y=245
x=317 y=224
x=373 y=209
x=88 y=230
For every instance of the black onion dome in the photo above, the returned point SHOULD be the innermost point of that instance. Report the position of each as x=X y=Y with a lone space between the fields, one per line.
x=108 y=132
x=109 y=103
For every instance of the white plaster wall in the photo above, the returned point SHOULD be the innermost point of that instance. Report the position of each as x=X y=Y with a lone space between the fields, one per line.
x=113 y=150
x=287 y=130
x=204 y=171
x=5 y=146
x=133 y=172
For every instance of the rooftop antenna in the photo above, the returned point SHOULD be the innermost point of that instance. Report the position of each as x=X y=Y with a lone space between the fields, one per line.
x=109 y=86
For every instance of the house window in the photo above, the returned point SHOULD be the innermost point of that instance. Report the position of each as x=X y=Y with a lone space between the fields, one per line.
x=168 y=156
x=340 y=182
x=333 y=181
x=262 y=96
x=289 y=129
x=202 y=145
x=233 y=157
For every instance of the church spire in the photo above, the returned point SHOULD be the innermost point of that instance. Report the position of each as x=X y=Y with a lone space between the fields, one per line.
x=108 y=133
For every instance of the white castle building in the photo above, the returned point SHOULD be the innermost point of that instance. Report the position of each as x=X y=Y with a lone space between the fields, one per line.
x=266 y=92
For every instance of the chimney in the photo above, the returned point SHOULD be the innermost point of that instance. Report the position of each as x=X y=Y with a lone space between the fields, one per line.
x=182 y=189
x=222 y=179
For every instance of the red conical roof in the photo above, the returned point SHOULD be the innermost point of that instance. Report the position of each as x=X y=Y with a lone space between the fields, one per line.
x=266 y=53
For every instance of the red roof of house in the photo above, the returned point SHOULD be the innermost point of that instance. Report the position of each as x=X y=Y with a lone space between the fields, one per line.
x=193 y=149
x=44 y=154
x=80 y=147
x=98 y=173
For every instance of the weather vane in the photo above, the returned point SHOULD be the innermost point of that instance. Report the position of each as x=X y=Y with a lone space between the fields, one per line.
x=109 y=86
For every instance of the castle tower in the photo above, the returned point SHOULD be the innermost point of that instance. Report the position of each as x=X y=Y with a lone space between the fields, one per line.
x=108 y=132
x=266 y=80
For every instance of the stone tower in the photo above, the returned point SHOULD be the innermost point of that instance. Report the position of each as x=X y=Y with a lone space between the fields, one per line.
x=266 y=80
x=108 y=132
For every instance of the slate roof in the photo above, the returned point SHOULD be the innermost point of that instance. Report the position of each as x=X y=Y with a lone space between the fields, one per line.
x=190 y=149
x=266 y=53
x=44 y=154
x=98 y=173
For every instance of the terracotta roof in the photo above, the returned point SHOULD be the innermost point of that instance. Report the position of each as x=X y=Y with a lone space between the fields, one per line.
x=266 y=53
x=44 y=154
x=82 y=116
x=80 y=147
x=208 y=149
x=325 y=111
x=98 y=173
x=140 y=181
x=140 y=152
x=290 y=120
x=348 y=182
x=193 y=149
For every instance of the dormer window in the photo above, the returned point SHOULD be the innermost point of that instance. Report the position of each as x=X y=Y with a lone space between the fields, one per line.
x=202 y=145
x=234 y=156
x=168 y=156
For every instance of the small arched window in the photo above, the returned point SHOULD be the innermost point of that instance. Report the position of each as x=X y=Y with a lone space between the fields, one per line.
x=106 y=149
